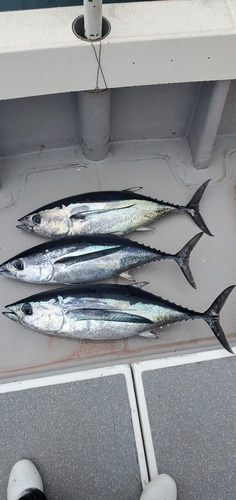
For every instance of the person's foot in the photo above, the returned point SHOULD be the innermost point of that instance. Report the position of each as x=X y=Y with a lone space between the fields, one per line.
x=162 y=487
x=23 y=476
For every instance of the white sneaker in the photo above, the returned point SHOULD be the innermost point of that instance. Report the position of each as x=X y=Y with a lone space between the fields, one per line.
x=162 y=487
x=23 y=476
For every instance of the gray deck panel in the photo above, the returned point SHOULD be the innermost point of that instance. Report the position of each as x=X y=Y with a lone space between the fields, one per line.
x=191 y=409
x=79 y=435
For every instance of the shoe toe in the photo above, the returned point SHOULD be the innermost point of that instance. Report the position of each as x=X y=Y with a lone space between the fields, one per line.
x=23 y=476
x=162 y=487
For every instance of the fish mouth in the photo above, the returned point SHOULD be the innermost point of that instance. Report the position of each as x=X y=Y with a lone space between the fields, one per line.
x=25 y=227
x=11 y=315
x=27 y=223
x=4 y=271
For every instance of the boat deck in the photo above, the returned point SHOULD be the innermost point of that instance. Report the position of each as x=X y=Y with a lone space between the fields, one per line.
x=100 y=419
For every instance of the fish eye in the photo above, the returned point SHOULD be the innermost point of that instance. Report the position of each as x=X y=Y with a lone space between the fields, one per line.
x=36 y=218
x=27 y=309
x=18 y=264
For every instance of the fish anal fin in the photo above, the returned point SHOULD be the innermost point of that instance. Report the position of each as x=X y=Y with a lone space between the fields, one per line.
x=127 y=276
x=145 y=228
x=149 y=335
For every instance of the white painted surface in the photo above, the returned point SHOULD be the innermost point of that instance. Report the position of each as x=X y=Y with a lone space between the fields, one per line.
x=206 y=120
x=165 y=171
x=149 y=42
x=93 y=19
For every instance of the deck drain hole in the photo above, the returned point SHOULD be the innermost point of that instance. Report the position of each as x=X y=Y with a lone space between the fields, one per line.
x=78 y=28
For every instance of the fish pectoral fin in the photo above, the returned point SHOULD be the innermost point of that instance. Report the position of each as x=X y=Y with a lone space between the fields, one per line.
x=83 y=214
x=72 y=260
x=108 y=315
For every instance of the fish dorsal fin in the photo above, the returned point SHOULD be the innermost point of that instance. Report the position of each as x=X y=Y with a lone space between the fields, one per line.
x=133 y=189
x=139 y=284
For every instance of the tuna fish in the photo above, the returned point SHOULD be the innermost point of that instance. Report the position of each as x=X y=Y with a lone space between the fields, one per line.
x=79 y=259
x=113 y=212
x=102 y=312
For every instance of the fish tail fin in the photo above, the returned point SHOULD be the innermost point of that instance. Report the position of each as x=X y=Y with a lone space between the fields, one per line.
x=193 y=208
x=182 y=258
x=212 y=317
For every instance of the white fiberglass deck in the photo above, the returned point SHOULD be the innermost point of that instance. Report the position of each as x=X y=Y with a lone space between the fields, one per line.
x=164 y=170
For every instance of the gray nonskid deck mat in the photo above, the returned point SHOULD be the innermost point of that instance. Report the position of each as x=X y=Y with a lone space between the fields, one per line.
x=79 y=435
x=191 y=410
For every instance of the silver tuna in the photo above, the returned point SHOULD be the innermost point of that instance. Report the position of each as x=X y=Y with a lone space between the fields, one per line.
x=81 y=259
x=113 y=212
x=102 y=312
